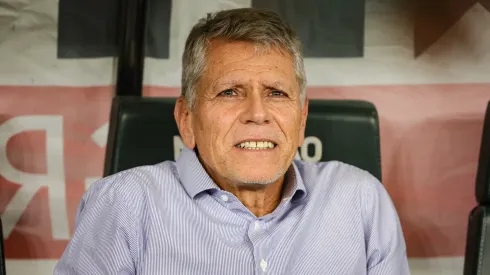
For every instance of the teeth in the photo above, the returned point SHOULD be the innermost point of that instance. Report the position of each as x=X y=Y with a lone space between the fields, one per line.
x=256 y=145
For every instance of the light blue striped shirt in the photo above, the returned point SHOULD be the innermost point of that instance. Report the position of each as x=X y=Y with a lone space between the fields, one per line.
x=171 y=218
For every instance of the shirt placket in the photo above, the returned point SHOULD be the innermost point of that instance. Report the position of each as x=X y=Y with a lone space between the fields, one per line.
x=257 y=234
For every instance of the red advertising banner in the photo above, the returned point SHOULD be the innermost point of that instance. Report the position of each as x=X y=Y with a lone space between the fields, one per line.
x=52 y=145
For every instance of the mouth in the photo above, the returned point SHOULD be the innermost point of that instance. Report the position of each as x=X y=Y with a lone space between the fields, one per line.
x=256 y=145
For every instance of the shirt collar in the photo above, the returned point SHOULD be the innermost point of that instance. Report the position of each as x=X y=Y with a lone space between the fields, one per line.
x=192 y=174
x=196 y=180
x=295 y=188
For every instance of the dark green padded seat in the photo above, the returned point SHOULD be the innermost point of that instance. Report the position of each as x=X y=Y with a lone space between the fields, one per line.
x=143 y=131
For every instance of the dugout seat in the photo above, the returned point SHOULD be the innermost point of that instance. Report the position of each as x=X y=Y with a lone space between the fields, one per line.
x=477 y=254
x=2 y=252
x=142 y=131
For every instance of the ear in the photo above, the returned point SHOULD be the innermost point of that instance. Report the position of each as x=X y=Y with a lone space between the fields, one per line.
x=304 y=116
x=183 y=118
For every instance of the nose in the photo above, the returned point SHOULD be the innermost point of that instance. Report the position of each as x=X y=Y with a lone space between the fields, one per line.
x=256 y=110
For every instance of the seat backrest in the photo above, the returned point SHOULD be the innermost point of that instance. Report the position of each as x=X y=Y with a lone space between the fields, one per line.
x=143 y=131
x=477 y=254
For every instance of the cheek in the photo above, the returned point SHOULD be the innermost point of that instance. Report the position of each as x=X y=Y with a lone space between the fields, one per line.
x=211 y=127
x=291 y=126
x=289 y=117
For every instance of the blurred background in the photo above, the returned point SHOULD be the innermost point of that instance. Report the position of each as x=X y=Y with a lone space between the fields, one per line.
x=424 y=64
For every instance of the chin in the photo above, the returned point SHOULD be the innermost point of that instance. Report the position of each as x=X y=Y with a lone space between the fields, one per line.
x=258 y=178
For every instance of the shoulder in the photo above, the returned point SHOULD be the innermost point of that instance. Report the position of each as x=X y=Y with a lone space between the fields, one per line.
x=131 y=185
x=336 y=173
x=350 y=188
x=343 y=183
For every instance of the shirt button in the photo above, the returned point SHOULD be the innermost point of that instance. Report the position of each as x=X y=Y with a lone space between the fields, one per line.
x=224 y=197
x=257 y=225
x=263 y=265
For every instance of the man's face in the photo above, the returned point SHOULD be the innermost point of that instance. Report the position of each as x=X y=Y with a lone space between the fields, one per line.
x=248 y=120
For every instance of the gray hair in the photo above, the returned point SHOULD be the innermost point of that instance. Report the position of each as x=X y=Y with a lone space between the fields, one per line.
x=264 y=29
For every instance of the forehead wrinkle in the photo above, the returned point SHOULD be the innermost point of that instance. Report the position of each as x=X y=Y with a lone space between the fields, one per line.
x=229 y=82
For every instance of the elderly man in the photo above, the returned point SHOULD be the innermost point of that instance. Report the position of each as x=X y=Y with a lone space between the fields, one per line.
x=235 y=202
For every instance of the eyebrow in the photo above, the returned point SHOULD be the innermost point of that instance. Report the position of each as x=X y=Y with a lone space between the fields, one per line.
x=230 y=83
x=280 y=85
x=275 y=84
x=239 y=83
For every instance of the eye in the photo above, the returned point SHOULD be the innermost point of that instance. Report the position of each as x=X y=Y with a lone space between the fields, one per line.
x=227 y=92
x=277 y=93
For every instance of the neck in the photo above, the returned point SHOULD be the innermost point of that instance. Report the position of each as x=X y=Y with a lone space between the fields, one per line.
x=259 y=199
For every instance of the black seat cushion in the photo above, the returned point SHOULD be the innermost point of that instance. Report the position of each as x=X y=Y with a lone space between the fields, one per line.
x=477 y=258
x=2 y=252
x=477 y=254
x=483 y=172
